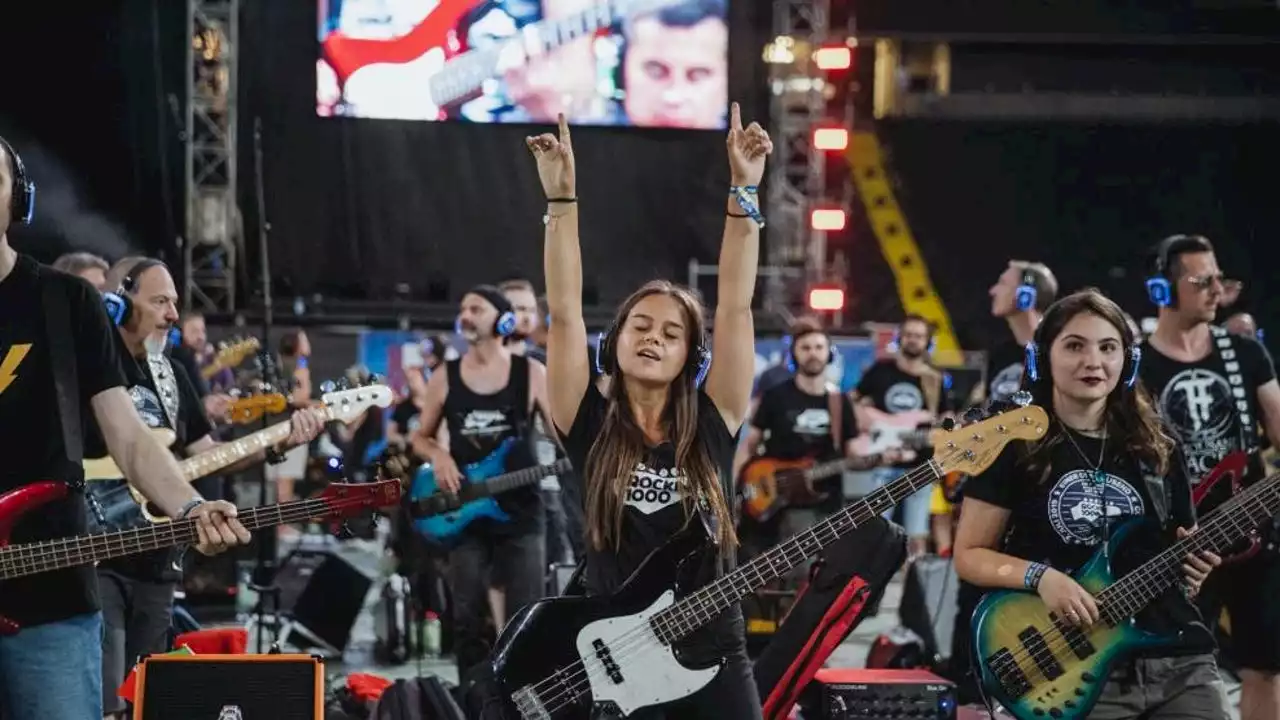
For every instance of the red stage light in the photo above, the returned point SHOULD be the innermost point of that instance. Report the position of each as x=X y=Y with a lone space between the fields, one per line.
x=826 y=298
x=827 y=219
x=833 y=58
x=830 y=138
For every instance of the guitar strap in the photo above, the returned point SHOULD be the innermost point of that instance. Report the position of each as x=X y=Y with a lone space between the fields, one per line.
x=1224 y=346
x=931 y=385
x=1158 y=490
x=166 y=386
x=837 y=418
x=66 y=377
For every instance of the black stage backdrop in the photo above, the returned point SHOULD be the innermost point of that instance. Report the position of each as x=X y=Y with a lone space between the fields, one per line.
x=357 y=206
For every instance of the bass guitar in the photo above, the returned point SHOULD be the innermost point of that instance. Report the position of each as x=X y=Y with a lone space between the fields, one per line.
x=441 y=517
x=1039 y=667
x=560 y=657
x=337 y=500
x=114 y=504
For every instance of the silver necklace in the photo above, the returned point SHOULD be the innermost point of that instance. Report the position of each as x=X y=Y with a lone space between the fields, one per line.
x=1099 y=476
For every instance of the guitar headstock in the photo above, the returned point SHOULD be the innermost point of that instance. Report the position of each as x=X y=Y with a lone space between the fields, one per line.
x=973 y=447
x=348 y=499
x=233 y=353
x=348 y=405
x=248 y=409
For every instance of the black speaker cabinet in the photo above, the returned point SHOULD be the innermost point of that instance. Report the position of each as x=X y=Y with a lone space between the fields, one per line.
x=230 y=687
x=331 y=600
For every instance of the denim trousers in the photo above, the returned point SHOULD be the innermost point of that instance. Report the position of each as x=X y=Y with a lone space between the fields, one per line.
x=53 y=671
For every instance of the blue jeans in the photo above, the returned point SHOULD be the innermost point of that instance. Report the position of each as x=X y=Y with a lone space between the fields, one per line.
x=53 y=671
x=915 y=508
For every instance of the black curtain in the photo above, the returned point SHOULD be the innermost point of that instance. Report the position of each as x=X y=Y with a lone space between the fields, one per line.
x=359 y=206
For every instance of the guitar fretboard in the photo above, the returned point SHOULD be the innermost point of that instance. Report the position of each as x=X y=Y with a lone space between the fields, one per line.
x=229 y=453
x=1231 y=522
x=517 y=479
x=32 y=558
x=700 y=607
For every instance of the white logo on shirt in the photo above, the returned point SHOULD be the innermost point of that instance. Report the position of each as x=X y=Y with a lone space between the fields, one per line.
x=148 y=406
x=484 y=422
x=653 y=490
x=1075 y=505
x=1199 y=406
x=813 y=422
x=903 y=397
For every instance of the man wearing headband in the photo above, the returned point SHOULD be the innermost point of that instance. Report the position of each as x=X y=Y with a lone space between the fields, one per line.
x=58 y=366
x=484 y=398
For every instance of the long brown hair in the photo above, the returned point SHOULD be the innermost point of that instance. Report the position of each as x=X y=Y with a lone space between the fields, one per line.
x=621 y=444
x=1130 y=415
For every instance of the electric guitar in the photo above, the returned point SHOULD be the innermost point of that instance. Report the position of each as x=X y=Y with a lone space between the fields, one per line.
x=441 y=517
x=559 y=657
x=769 y=485
x=337 y=500
x=114 y=504
x=1038 y=667
x=248 y=409
x=230 y=356
x=1231 y=468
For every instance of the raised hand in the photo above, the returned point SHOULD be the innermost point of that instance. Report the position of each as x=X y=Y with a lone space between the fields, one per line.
x=747 y=149
x=555 y=162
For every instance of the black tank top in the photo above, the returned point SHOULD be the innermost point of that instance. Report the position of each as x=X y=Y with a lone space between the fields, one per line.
x=480 y=424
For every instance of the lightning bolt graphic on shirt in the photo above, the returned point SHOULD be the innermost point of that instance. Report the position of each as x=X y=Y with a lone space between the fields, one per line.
x=9 y=366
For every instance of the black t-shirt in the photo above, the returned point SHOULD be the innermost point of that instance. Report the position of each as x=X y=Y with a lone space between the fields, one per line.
x=31 y=442
x=893 y=391
x=1004 y=372
x=479 y=424
x=186 y=357
x=655 y=508
x=1198 y=405
x=1055 y=519
x=193 y=424
x=405 y=416
x=798 y=425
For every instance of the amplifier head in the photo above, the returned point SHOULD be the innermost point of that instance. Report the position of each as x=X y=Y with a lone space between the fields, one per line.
x=837 y=694
x=230 y=687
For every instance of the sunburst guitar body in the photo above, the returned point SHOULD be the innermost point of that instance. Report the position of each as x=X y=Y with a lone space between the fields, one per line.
x=1038 y=667
x=769 y=485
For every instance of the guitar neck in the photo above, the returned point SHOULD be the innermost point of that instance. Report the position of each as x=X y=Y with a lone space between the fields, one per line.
x=517 y=479
x=831 y=467
x=700 y=607
x=1231 y=522
x=229 y=453
x=32 y=558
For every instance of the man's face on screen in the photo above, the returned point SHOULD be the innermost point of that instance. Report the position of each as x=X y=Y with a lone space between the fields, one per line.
x=676 y=76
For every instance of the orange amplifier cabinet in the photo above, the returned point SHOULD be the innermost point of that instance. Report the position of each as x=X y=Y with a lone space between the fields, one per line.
x=230 y=687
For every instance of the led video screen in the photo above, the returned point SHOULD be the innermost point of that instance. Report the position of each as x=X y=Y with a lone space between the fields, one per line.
x=639 y=63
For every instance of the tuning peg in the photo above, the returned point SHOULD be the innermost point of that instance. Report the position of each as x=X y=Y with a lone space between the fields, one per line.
x=948 y=424
x=328 y=386
x=343 y=531
x=973 y=414
x=1022 y=398
x=376 y=379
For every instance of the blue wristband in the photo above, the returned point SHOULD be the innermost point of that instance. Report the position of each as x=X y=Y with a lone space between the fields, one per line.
x=748 y=201
x=1035 y=571
x=192 y=504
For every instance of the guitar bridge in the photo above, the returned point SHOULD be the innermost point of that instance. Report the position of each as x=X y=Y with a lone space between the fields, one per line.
x=529 y=705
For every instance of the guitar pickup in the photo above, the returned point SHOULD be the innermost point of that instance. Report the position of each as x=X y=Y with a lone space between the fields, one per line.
x=1011 y=677
x=606 y=659
x=1044 y=658
x=1076 y=638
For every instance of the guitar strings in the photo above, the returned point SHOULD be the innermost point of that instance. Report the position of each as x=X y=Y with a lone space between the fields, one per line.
x=569 y=689
x=1217 y=524
x=32 y=558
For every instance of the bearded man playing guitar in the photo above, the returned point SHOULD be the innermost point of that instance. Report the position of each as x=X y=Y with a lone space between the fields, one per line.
x=794 y=425
x=57 y=365
x=1044 y=511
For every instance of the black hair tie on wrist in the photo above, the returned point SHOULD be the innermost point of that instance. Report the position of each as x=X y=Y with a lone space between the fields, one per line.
x=736 y=215
x=563 y=200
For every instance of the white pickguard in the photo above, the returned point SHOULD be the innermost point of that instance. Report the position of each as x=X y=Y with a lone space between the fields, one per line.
x=651 y=675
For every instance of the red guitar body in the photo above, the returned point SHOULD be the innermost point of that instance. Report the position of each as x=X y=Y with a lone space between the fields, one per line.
x=1231 y=468
x=13 y=505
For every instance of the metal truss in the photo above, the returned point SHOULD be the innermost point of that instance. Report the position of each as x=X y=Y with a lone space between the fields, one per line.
x=797 y=170
x=214 y=237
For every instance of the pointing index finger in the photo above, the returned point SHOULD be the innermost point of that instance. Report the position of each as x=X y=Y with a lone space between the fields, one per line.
x=564 y=129
x=735 y=117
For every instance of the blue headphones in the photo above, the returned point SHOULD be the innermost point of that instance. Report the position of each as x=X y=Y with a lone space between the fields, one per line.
x=1160 y=291
x=1024 y=297
x=607 y=357
x=895 y=344
x=503 y=327
x=22 y=201
x=790 y=351
x=119 y=306
x=1035 y=374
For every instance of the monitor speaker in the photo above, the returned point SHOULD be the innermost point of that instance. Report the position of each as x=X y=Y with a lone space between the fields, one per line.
x=327 y=607
x=230 y=687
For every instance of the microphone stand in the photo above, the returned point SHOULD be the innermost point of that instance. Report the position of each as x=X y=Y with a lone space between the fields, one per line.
x=264 y=572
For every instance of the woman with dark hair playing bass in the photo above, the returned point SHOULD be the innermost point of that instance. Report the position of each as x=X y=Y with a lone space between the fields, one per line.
x=654 y=437
x=1037 y=517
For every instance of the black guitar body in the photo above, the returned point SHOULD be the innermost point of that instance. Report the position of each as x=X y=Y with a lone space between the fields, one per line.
x=539 y=641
